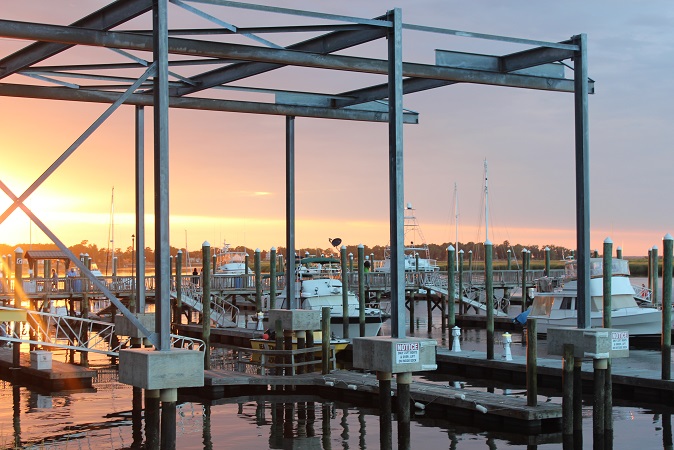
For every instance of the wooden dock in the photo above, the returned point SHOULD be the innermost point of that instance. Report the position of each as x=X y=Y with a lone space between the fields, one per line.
x=60 y=377
x=496 y=411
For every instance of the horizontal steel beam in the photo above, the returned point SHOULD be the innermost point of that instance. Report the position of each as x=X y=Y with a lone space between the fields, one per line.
x=69 y=35
x=91 y=96
x=104 y=19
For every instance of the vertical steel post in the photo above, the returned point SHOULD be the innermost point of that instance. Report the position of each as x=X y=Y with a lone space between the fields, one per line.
x=179 y=288
x=139 y=282
x=345 y=294
x=258 y=281
x=667 y=243
x=161 y=175
x=607 y=273
x=206 y=304
x=451 y=291
x=290 y=212
x=582 y=139
x=396 y=179
x=489 y=296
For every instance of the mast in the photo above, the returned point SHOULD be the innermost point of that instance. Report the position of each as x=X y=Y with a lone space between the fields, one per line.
x=187 y=253
x=486 y=203
x=112 y=227
x=456 y=222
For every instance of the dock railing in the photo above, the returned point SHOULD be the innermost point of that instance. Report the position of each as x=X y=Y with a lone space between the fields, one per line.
x=269 y=361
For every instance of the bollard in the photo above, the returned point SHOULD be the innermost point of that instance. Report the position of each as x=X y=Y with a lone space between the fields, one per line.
x=532 y=368
x=507 y=340
x=667 y=307
x=456 y=344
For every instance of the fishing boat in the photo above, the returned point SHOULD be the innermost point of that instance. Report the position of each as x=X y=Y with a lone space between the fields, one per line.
x=415 y=251
x=318 y=289
x=558 y=306
x=230 y=262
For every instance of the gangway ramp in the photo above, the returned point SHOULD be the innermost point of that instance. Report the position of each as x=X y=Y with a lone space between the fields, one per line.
x=73 y=333
x=437 y=283
x=223 y=313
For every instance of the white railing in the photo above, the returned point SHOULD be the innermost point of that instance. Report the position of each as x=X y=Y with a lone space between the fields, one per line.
x=223 y=313
x=76 y=333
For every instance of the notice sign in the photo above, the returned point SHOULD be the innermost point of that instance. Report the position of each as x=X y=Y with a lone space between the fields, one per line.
x=620 y=340
x=407 y=353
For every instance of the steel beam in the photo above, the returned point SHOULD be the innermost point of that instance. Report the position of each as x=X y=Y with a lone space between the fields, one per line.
x=104 y=19
x=582 y=181
x=84 y=95
x=161 y=176
x=396 y=187
x=290 y=214
x=139 y=281
x=188 y=47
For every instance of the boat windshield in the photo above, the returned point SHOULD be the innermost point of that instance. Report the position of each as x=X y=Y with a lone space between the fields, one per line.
x=619 y=267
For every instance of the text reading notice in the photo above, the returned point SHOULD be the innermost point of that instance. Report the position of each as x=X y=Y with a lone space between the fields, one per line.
x=620 y=340
x=407 y=353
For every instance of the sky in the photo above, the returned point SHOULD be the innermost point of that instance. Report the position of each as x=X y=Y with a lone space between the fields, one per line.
x=227 y=171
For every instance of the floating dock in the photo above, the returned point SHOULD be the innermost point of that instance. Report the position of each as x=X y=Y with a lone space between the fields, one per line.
x=60 y=377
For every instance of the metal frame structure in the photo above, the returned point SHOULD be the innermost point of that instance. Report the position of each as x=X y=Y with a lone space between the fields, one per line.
x=190 y=68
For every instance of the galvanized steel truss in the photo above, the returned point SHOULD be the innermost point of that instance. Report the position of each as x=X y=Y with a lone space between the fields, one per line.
x=540 y=67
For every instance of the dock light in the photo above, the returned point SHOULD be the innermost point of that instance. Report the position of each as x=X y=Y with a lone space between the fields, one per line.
x=481 y=408
x=419 y=405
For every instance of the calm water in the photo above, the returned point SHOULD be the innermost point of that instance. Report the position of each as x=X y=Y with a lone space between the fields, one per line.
x=104 y=419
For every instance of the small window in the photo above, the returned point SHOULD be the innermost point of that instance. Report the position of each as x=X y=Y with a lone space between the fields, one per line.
x=566 y=303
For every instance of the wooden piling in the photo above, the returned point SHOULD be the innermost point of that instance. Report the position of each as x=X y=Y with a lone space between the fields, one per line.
x=361 y=289
x=258 y=281
x=567 y=391
x=152 y=418
x=301 y=345
x=547 y=261
x=325 y=330
x=310 y=344
x=655 y=266
x=607 y=274
x=667 y=244
x=429 y=311
x=460 y=290
x=577 y=397
x=524 y=280
x=619 y=253
x=168 y=398
x=532 y=368
x=489 y=296
x=177 y=313
x=272 y=278
x=345 y=293
x=385 y=410
x=278 y=331
x=509 y=254
x=403 y=381
x=598 y=408
x=451 y=298
x=206 y=302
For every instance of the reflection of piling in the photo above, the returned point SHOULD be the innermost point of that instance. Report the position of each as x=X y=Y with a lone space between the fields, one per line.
x=667 y=307
x=206 y=428
x=567 y=391
x=667 y=431
x=16 y=417
x=532 y=371
x=325 y=427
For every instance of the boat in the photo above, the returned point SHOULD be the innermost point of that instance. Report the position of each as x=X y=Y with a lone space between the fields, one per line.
x=318 y=289
x=415 y=248
x=230 y=262
x=557 y=306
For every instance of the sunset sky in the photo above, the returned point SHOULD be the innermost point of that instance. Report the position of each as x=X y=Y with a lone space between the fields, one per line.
x=227 y=177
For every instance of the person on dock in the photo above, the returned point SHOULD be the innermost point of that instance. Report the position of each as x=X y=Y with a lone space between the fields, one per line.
x=70 y=282
x=54 y=280
x=366 y=266
x=195 y=277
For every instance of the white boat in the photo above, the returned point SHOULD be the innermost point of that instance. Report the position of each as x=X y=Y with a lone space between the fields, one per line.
x=415 y=249
x=559 y=307
x=229 y=262
x=321 y=289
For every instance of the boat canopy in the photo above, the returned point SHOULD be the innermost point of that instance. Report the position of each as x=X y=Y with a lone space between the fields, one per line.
x=619 y=267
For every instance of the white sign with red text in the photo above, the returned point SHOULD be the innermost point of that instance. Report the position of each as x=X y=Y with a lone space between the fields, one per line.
x=407 y=352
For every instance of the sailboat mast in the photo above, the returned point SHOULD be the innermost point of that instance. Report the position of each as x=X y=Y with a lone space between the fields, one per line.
x=112 y=226
x=187 y=252
x=486 y=203
x=456 y=223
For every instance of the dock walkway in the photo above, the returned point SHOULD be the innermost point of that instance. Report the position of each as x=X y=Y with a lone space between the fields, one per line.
x=61 y=376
